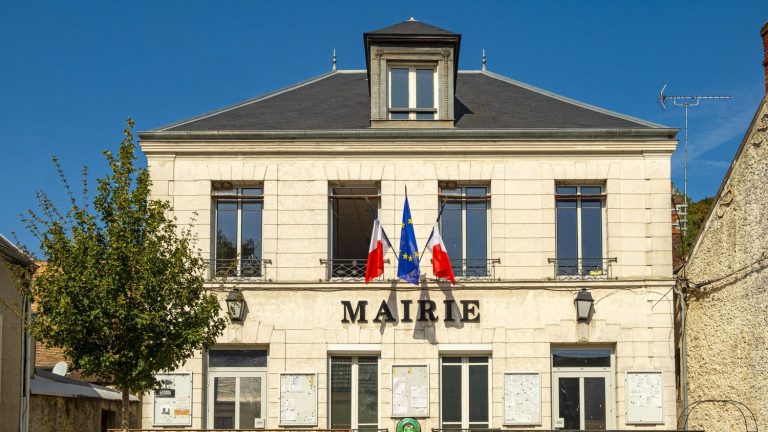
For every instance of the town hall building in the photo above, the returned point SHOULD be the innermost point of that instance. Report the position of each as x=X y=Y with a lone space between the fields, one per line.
x=555 y=215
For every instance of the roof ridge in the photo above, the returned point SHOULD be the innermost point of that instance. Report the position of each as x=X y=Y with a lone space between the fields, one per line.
x=571 y=101
x=246 y=102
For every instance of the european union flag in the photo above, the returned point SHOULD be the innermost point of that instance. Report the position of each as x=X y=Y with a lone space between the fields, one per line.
x=408 y=258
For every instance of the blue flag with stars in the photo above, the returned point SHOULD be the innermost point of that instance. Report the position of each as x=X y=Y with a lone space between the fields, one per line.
x=408 y=258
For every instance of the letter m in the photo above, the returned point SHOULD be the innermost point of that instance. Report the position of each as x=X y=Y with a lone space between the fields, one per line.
x=354 y=315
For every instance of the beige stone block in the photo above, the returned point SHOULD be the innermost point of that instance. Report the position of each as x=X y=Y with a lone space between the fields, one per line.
x=633 y=201
x=660 y=320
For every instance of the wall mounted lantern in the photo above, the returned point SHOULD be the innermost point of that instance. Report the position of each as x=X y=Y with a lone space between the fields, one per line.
x=235 y=305
x=583 y=303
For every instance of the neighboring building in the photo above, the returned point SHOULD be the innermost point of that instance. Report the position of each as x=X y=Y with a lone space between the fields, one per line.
x=65 y=404
x=544 y=196
x=725 y=283
x=16 y=362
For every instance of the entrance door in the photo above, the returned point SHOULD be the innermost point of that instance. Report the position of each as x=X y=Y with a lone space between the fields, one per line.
x=354 y=390
x=465 y=393
x=582 y=390
x=236 y=399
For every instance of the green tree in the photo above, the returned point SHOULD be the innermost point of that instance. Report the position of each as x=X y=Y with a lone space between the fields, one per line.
x=123 y=292
x=697 y=212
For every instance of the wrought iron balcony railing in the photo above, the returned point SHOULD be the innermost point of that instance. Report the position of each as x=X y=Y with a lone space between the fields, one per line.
x=238 y=269
x=582 y=268
x=348 y=270
x=475 y=269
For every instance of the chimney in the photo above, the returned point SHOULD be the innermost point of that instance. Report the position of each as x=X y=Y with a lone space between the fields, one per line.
x=764 y=34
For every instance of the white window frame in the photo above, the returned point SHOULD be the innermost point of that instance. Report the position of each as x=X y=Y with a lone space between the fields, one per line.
x=462 y=194
x=586 y=372
x=579 y=236
x=354 y=387
x=412 y=90
x=237 y=373
x=237 y=197
x=465 y=387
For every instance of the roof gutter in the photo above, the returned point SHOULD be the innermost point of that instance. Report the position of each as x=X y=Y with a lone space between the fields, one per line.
x=567 y=134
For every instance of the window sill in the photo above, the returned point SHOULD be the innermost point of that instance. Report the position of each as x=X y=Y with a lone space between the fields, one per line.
x=412 y=124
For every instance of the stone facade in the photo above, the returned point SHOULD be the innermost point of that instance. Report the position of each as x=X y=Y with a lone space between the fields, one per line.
x=524 y=314
x=76 y=414
x=524 y=310
x=727 y=328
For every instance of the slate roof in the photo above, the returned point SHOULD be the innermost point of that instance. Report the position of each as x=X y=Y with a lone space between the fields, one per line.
x=413 y=28
x=340 y=100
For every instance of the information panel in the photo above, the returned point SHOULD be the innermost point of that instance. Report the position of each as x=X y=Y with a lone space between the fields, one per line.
x=173 y=400
x=410 y=391
x=298 y=399
x=644 y=397
x=522 y=398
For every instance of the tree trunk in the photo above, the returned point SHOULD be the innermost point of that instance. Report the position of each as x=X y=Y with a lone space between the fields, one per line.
x=124 y=410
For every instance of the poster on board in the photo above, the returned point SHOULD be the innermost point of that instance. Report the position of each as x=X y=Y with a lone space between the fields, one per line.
x=298 y=399
x=173 y=400
x=522 y=398
x=645 y=404
x=410 y=391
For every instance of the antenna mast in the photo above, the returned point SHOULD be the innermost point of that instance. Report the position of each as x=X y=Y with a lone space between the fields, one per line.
x=684 y=102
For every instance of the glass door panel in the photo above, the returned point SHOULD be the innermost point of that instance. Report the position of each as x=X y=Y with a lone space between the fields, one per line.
x=341 y=392
x=569 y=393
x=478 y=396
x=367 y=393
x=250 y=401
x=224 y=402
x=594 y=403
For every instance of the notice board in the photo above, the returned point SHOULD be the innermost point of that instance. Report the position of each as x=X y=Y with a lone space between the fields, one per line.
x=522 y=398
x=173 y=400
x=644 y=397
x=298 y=399
x=410 y=391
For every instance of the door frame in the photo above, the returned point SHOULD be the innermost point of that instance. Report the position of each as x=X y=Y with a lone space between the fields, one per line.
x=354 y=356
x=464 y=365
x=237 y=373
x=581 y=373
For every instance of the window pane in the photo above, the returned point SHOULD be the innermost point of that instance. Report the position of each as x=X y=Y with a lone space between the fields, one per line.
x=425 y=88
x=451 y=231
x=237 y=358
x=399 y=116
x=252 y=191
x=592 y=236
x=567 y=236
x=226 y=230
x=477 y=234
x=341 y=393
x=569 y=409
x=399 y=88
x=425 y=116
x=594 y=403
x=591 y=190
x=581 y=358
x=250 y=249
x=224 y=403
x=250 y=401
x=367 y=391
x=565 y=190
x=478 y=393
x=451 y=392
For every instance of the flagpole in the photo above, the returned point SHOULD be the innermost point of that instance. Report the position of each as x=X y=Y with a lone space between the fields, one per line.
x=439 y=214
x=375 y=212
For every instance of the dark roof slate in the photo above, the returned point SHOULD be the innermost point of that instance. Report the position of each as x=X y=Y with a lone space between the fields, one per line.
x=413 y=28
x=340 y=100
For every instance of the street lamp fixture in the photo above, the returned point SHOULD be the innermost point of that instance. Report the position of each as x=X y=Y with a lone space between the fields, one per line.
x=235 y=305
x=583 y=303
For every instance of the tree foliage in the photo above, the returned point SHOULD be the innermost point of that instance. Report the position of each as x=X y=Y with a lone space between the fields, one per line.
x=697 y=212
x=122 y=293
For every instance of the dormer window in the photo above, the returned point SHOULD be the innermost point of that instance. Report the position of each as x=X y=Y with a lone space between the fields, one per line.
x=412 y=93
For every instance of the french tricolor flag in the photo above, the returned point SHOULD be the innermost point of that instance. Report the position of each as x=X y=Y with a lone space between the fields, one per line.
x=375 y=265
x=441 y=263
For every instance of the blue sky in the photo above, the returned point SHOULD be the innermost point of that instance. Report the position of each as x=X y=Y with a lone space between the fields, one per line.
x=72 y=72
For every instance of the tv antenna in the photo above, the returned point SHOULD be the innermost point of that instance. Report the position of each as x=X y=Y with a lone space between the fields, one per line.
x=684 y=102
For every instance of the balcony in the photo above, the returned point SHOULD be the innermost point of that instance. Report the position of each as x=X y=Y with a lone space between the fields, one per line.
x=582 y=268
x=238 y=270
x=346 y=270
x=473 y=269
